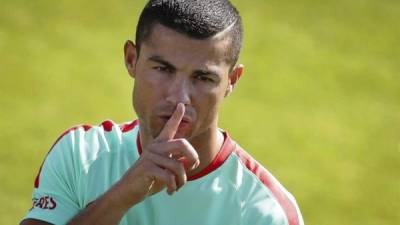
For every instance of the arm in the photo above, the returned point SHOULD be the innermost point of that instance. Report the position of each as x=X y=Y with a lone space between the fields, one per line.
x=154 y=171
x=262 y=208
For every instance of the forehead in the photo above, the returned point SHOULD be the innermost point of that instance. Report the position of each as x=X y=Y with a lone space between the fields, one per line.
x=181 y=49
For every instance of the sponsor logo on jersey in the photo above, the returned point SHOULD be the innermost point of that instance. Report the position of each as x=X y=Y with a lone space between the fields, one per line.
x=45 y=202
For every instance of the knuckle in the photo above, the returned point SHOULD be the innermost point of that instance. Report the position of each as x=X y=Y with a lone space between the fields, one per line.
x=152 y=147
x=165 y=174
x=177 y=166
x=159 y=139
x=183 y=143
x=170 y=178
x=147 y=157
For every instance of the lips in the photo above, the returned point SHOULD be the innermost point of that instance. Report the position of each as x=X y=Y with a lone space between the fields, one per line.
x=185 y=119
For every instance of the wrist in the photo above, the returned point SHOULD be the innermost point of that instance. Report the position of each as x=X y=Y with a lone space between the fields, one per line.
x=118 y=199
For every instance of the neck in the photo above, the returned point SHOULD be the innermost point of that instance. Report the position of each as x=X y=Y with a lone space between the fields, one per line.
x=207 y=146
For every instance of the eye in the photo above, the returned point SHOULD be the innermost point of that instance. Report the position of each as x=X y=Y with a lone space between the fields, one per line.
x=204 y=78
x=162 y=69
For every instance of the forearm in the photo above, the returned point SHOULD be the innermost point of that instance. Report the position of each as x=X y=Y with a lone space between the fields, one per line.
x=105 y=210
x=154 y=171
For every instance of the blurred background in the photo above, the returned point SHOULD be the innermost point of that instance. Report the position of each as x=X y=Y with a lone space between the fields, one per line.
x=319 y=104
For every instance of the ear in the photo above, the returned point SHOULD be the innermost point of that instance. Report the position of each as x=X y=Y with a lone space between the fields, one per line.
x=130 y=57
x=234 y=76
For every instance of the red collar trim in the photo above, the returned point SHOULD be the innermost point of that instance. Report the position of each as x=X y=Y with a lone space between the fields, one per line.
x=226 y=149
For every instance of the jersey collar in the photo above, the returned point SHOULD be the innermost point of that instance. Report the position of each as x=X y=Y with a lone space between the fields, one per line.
x=226 y=149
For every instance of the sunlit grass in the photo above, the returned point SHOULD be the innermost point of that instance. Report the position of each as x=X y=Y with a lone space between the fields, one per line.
x=318 y=104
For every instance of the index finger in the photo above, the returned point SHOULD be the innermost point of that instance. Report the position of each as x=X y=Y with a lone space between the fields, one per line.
x=172 y=125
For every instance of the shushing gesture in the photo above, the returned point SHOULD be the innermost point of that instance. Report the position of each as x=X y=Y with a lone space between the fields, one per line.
x=163 y=164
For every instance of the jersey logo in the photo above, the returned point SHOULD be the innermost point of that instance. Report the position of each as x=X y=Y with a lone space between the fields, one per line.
x=45 y=202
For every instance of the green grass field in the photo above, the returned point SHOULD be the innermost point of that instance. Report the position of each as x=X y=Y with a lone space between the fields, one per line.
x=319 y=104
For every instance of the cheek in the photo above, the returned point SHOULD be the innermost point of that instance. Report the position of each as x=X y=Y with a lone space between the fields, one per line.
x=147 y=91
x=208 y=106
x=147 y=94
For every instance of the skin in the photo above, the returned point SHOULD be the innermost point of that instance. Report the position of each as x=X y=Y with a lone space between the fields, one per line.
x=180 y=84
x=193 y=72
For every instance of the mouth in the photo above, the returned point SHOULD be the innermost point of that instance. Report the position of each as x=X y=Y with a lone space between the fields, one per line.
x=185 y=119
x=184 y=128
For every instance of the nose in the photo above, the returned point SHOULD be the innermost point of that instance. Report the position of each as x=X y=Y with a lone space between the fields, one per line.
x=179 y=91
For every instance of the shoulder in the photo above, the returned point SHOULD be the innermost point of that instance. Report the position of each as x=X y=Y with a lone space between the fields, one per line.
x=106 y=128
x=265 y=196
x=80 y=145
x=92 y=135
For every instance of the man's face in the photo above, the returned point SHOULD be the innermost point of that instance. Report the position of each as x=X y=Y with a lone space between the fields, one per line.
x=173 y=68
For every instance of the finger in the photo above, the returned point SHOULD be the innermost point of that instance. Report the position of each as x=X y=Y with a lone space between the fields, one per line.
x=171 y=164
x=172 y=125
x=166 y=177
x=178 y=148
x=181 y=149
x=187 y=165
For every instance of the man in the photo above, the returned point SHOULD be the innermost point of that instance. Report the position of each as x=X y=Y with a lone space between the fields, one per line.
x=184 y=65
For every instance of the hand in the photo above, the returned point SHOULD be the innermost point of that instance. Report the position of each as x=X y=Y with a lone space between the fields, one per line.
x=163 y=163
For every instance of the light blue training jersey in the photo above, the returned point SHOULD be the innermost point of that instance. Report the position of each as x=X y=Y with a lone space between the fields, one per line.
x=87 y=160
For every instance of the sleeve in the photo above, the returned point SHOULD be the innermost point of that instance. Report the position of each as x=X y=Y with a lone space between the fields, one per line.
x=54 y=198
x=263 y=208
x=263 y=212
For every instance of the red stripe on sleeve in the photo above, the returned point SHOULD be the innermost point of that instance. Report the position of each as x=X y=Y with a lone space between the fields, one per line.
x=85 y=128
x=272 y=184
x=129 y=126
x=107 y=125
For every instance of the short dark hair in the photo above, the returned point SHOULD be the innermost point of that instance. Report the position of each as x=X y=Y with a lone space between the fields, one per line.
x=199 y=19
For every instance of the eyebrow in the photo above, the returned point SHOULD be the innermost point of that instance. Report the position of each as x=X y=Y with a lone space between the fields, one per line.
x=206 y=72
x=209 y=73
x=160 y=60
